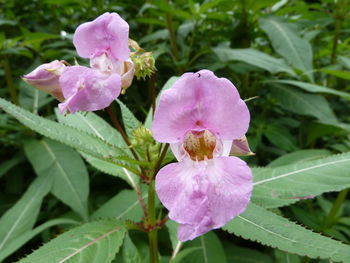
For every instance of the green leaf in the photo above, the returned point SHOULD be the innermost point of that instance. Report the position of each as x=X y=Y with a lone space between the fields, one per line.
x=21 y=217
x=9 y=164
x=65 y=166
x=343 y=74
x=130 y=252
x=24 y=238
x=129 y=120
x=184 y=253
x=245 y=255
x=302 y=103
x=312 y=87
x=91 y=123
x=253 y=57
x=211 y=249
x=124 y=205
x=114 y=168
x=283 y=185
x=93 y=242
x=287 y=42
x=72 y=137
x=167 y=85
x=172 y=229
x=280 y=137
x=299 y=157
x=95 y=125
x=267 y=228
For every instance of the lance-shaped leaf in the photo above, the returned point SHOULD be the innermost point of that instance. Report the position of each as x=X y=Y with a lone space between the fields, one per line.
x=21 y=217
x=72 y=137
x=303 y=103
x=124 y=205
x=95 y=125
x=312 y=87
x=253 y=57
x=65 y=166
x=93 y=242
x=25 y=237
x=287 y=42
x=91 y=123
x=130 y=121
x=274 y=187
x=267 y=228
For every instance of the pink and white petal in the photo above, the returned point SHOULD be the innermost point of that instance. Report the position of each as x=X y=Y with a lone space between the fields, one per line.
x=92 y=89
x=199 y=101
x=218 y=189
x=188 y=232
x=72 y=79
x=107 y=33
x=232 y=184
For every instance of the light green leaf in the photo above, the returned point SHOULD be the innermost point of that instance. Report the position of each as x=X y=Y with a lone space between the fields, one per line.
x=287 y=42
x=93 y=242
x=312 y=87
x=299 y=157
x=24 y=238
x=124 y=205
x=172 y=229
x=283 y=185
x=21 y=217
x=91 y=123
x=211 y=250
x=130 y=252
x=72 y=137
x=167 y=85
x=253 y=57
x=302 y=103
x=267 y=228
x=129 y=120
x=65 y=166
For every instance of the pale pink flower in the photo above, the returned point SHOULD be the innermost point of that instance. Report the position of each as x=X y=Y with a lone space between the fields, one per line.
x=45 y=78
x=200 y=116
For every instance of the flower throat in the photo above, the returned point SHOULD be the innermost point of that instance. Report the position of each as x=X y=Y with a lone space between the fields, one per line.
x=200 y=145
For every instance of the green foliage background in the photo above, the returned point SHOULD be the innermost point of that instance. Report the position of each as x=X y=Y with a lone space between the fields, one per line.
x=294 y=56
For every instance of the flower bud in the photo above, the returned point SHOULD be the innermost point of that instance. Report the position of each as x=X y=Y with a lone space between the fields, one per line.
x=144 y=64
x=240 y=147
x=45 y=78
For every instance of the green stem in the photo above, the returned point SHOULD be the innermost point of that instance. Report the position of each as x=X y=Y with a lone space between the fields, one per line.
x=8 y=75
x=152 y=235
x=172 y=36
x=336 y=206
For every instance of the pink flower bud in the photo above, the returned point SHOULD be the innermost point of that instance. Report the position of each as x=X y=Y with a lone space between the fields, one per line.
x=240 y=147
x=45 y=78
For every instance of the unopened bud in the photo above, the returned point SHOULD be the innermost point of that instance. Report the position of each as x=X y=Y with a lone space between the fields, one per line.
x=45 y=78
x=144 y=64
x=240 y=147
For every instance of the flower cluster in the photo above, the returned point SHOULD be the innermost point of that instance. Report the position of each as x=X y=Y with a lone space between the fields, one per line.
x=201 y=116
x=105 y=41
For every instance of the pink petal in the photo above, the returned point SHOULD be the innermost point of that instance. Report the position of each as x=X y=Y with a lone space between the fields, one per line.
x=108 y=33
x=200 y=101
x=88 y=89
x=204 y=195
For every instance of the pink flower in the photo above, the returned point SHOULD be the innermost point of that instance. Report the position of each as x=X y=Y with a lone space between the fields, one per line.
x=108 y=33
x=200 y=116
x=45 y=78
x=105 y=41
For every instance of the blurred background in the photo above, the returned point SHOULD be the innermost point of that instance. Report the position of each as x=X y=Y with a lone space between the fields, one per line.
x=289 y=59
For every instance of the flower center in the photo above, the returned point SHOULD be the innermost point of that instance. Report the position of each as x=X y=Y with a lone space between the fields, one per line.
x=200 y=145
